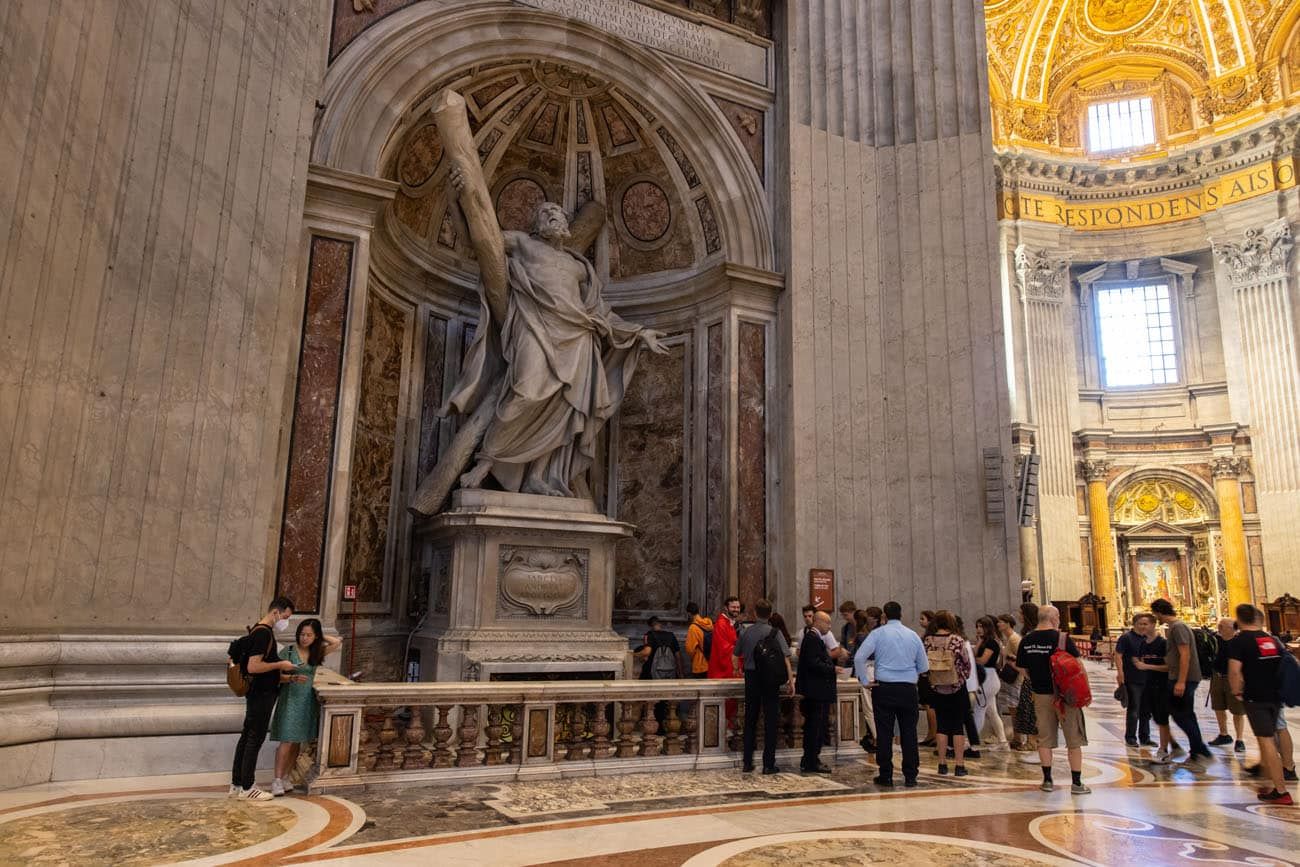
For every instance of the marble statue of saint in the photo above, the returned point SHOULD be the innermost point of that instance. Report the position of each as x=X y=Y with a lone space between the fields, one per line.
x=562 y=356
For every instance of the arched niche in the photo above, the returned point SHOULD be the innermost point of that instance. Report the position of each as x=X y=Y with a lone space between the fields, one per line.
x=1127 y=487
x=372 y=86
x=687 y=460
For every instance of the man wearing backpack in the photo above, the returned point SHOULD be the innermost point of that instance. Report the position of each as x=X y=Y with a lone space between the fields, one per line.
x=1035 y=659
x=765 y=657
x=659 y=653
x=261 y=663
x=699 y=641
x=1255 y=661
x=1184 y=676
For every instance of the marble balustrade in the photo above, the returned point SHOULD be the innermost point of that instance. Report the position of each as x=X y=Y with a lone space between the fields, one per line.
x=400 y=733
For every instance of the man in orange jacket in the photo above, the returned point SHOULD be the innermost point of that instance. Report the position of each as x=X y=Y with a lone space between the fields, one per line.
x=696 y=632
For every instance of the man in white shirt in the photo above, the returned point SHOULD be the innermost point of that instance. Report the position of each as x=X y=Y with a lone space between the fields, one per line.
x=828 y=638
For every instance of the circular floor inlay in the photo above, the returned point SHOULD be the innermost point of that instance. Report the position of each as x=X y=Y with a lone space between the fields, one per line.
x=141 y=832
x=864 y=847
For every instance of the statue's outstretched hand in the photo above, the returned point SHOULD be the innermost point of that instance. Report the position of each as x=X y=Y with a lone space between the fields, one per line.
x=653 y=341
x=457 y=178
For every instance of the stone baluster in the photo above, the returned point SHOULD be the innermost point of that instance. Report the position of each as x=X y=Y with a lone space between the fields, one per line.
x=367 y=749
x=387 y=759
x=563 y=713
x=627 y=743
x=650 y=740
x=691 y=727
x=577 y=730
x=796 y=723
x=494 y=754
x=672 y=731
x=467 y=755
x=787 y=720
x=517 y=735
x=736 y=728
x=415 y=755
x=601 y=746
x=442 y=754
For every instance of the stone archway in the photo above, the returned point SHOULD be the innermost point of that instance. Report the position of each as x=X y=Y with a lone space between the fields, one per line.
x=375 y=81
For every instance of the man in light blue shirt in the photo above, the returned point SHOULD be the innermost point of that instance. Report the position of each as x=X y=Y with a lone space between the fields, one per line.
x=900 y=661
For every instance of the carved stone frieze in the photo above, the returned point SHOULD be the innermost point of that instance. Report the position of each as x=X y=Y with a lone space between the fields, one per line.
x=542 y=582
x=1094 y=471
x=1263 y=253
x=1228 y=467
x=1041 y=275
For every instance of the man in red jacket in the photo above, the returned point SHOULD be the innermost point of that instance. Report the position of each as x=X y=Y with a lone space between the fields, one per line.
x=724 y=639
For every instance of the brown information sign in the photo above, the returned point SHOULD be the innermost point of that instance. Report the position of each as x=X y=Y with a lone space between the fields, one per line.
x=821 y=589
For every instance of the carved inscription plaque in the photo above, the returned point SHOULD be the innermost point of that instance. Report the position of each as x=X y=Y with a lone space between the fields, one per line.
x=707 y=46
x=542 y=582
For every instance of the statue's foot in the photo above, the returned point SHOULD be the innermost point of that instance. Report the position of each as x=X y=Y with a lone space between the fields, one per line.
x=475 y=477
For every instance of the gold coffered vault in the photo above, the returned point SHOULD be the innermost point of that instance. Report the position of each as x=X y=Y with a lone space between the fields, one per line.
x=1210 y=67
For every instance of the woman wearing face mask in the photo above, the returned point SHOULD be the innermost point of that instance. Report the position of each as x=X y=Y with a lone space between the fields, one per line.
x=297 y=712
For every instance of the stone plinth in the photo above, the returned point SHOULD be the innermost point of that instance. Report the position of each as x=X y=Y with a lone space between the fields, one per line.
x=518 y=583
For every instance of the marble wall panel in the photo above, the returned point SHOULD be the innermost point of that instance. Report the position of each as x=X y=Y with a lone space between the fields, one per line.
x=150 y=302
x=315 y=412
x=652 y=432
x=751 y=461
x=749 y=125
x=374 y=450
x=715 y=470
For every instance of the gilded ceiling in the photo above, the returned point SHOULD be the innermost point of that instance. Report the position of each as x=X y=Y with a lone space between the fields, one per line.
x=1210 y=66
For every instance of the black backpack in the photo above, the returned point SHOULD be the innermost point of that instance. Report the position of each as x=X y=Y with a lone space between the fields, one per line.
x=1207 y=650
x=706 y=645
x=237 y=677
x=769 y=661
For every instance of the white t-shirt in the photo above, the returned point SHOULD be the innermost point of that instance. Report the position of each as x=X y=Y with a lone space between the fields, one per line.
x=828 y=639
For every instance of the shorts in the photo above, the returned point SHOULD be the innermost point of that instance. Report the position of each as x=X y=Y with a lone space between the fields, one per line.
x=950 y=711
x=1156 y=697
x=1221 y=697
x=1049 y=721
x=1264 y=717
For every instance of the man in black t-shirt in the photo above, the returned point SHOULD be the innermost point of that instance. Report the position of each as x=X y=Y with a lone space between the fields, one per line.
x=1035 y=659
x=264 y=667
x=656 y=638
x=1254 y=668
x=1133 y=680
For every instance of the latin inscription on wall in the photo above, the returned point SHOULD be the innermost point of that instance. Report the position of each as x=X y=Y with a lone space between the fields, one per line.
x=697 y=43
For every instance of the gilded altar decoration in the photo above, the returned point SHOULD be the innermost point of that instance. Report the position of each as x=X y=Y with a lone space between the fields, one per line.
x=1157 y=500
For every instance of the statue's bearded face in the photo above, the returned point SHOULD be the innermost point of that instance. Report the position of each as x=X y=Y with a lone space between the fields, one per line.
x=551 y=223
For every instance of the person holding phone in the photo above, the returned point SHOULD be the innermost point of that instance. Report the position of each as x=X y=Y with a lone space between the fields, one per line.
x=297 y=713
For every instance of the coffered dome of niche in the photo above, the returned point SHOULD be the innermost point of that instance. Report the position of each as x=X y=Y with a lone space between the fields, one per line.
x=1209 y=66
x=547 y=132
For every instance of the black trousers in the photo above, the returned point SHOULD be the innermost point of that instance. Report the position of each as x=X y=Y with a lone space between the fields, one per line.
x=1183 y=712
x=816 y=718
x=257 y=719
x=768 y=701
x=896 y=703
x=1137 y=716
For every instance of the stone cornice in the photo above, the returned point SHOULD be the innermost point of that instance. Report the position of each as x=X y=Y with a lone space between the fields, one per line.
x=1263 y=253
x=1081 y=180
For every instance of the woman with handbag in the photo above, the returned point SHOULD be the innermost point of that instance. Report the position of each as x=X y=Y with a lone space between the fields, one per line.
x=988 y=659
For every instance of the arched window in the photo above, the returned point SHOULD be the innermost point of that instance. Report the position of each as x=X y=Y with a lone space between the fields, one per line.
x=1121 y=125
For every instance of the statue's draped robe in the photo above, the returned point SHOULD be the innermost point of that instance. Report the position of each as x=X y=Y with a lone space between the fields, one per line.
x=567 y=359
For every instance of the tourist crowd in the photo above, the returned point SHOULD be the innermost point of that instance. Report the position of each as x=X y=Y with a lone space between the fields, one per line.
x=1017 y=683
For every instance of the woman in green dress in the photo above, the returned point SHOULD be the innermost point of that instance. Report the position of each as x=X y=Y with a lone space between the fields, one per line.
x=297 y=712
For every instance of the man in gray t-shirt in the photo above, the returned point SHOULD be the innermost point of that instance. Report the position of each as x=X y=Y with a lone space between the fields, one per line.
x=1184 y=677
x=760 y=696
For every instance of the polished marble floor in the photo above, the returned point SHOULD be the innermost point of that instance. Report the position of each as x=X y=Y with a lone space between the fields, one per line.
x=1137 y=813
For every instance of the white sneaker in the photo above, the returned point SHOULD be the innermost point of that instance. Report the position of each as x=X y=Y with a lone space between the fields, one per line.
x=253 y=793
x=1176 y=751
x=235 y=791
x=288 y=786
x=277 y=788
x=1160 y=758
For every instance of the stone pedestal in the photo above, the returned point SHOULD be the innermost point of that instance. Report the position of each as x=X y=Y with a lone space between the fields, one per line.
x=518 y=585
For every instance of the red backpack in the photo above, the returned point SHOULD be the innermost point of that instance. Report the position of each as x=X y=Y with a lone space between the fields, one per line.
x=1069 y=678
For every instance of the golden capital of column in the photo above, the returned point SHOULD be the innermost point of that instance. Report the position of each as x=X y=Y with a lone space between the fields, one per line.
x=1094 y=470
x=1228 y=467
